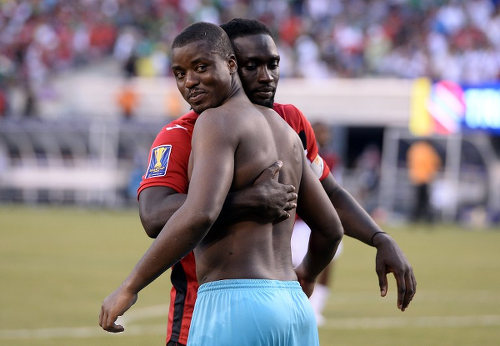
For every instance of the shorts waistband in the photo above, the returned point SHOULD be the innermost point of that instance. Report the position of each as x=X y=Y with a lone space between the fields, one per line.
x=247 y=283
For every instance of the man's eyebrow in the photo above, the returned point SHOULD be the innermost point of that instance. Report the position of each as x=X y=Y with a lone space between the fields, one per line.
x=198 y=60
x=260 y=57
x=193 y=62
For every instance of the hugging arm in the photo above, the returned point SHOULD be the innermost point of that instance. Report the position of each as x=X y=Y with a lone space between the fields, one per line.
x=266 y=200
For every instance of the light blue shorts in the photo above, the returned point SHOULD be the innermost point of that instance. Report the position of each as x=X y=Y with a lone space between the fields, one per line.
x=252 y=312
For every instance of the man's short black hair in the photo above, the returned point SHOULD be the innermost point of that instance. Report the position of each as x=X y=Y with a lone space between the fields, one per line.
x=239 y=27
x=207 y=32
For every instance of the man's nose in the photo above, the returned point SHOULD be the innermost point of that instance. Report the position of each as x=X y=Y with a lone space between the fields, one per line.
x=191 y=79
x=265 y=75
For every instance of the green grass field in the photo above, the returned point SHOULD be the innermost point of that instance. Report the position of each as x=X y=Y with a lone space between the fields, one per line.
x=56 y=266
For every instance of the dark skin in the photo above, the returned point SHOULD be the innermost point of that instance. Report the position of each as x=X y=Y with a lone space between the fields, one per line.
x=222 y=161
x=266 y=200
x=258 y=68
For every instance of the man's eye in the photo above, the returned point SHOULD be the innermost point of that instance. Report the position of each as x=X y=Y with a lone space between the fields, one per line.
x=179 y=74
x=201 y=68
x=250 y=66
x=274 y=65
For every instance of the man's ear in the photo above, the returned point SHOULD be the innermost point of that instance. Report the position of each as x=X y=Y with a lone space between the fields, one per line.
x=232 y=64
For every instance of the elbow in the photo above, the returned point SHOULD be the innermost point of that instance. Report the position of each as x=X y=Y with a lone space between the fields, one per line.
x=340 y=234
x=151 y=227
x=337 y=232
x=151 y=231
x=203 y=219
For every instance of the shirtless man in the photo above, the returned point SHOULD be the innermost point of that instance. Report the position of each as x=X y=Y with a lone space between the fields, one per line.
x=161 y=194
x=249 y=293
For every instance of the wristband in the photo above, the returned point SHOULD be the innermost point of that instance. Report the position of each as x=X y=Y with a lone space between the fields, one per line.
x=373 y=236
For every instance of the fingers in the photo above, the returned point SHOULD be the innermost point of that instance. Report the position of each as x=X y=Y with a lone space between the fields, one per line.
x=291 y=198
x=284 y=214
x=107 y=322
x=115 y=328
x=110 y=324
x=282 y=217
x=411 y=288
x=290 y=206
x=275 y=168
x=390 y=259
x=382 y=281
x=102 y=317
x=406 y=286
x=271 y=172
x=402 y=291
x=292 y=195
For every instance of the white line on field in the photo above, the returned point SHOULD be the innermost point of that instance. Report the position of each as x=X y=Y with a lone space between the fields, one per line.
x=418 y=322
x=142 y=313
x=88 y=332
x=76 y=332
x=336 y=323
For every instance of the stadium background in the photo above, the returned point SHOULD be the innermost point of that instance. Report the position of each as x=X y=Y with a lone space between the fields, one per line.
x=85 y=86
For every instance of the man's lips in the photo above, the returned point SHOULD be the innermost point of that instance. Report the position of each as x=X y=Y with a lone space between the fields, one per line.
x=195 y=96
x=267 y=92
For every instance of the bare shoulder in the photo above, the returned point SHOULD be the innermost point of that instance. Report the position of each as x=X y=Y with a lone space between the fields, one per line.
x=215 y=118
x=278 y=122
x=217 y=122
x=271 y=114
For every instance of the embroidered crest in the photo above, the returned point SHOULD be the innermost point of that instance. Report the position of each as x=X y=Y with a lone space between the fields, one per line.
x=158 y=161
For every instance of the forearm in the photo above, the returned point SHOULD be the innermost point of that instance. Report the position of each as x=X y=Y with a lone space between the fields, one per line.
x=356 y=221
x=157 y=205
x=179 y=236
x=320 y=253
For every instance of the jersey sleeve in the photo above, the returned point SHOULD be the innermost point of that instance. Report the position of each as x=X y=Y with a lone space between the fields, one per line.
x=303 y=127
x=168 y=161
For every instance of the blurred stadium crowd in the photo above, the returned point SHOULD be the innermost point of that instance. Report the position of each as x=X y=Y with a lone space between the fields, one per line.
x=39 y=39
x=454 y=39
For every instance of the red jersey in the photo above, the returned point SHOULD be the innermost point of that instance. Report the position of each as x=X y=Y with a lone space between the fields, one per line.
x=168 y=166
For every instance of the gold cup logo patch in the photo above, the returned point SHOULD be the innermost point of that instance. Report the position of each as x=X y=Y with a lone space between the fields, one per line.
x=158 y=156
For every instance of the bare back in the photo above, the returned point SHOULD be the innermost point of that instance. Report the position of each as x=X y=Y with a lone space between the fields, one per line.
x=259 y=137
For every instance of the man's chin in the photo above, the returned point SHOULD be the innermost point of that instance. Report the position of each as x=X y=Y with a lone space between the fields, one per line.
x=263 y=102
x=198 y=109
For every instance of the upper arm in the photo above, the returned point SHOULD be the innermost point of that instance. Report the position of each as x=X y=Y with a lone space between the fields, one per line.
x=168 y=161
x=331 y=186
x=314 y=206
x=156 y=205
x=213 y=149
x=165 y=177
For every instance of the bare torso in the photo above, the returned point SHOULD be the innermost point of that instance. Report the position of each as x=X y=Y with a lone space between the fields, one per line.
x=250 y=249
